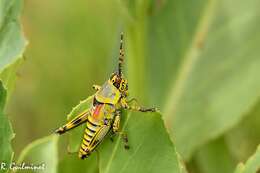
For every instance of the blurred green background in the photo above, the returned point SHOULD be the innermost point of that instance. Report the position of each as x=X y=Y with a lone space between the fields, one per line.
x=197 y=61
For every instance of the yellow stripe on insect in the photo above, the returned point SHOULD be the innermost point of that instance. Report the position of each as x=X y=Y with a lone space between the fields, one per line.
x=84 y=147
x=89 y=133
x=82 y=151
x=90 y=126
x=86 y=142
x=88 y=138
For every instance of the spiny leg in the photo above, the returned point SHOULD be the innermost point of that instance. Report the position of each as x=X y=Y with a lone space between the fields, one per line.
x=141 y=109
x=96 y=87
x=125 y=139
x=81 y=118
x=116 y=130
x=136 y=107
x=116 y=123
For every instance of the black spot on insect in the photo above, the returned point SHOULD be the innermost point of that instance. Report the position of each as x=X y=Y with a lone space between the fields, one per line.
x=105 y=121
x=77 y=121
x=116 y=84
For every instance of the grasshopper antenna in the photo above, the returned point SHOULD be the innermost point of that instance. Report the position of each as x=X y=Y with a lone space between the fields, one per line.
x=121 y=55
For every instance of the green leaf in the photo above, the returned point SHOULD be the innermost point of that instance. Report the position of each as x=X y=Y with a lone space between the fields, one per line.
x=183 y=169
x=148 y=139
x=42 y=153
x=246 y=134
x=12 y=41
x=12 y=45
x=9 y=75
x=215 y=157
x=151 y=149
x=202 y=62
x=252 y=165
x=71 y=163
x=6 y=132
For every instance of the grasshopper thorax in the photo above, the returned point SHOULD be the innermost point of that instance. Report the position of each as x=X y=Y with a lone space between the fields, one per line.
x=120 y=83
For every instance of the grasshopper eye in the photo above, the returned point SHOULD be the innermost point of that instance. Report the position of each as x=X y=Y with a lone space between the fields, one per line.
x=113 y=80
x=122 y=86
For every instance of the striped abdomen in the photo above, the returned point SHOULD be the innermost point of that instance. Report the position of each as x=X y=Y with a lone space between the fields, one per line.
x=96 y=129
x=89 y=134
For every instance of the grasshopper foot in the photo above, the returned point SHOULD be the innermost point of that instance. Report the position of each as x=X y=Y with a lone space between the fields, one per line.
x=127 y=147
x=60 y=130
x=148 y=109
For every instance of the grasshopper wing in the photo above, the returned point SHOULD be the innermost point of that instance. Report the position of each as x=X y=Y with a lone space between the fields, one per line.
x=99 y=136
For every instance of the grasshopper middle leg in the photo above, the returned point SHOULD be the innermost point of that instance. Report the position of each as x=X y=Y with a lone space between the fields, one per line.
x=116 y=130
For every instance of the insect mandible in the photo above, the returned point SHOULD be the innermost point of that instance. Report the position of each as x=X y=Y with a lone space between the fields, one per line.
x=104 y=114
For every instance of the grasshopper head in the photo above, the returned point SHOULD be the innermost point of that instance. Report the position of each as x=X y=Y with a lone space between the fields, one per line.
x=120 y=83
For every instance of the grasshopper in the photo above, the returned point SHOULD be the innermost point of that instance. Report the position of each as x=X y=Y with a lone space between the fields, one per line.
x=104 y=114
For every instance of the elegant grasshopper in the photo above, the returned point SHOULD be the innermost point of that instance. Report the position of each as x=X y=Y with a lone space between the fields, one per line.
x=104 y=114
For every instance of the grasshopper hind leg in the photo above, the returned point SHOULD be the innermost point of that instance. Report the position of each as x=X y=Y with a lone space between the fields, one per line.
x=78 y=120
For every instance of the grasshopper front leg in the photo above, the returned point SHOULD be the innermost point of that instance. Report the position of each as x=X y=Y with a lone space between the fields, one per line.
x=96 y=87
x=136 y=107
x=116 y=130
x=81 y=118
